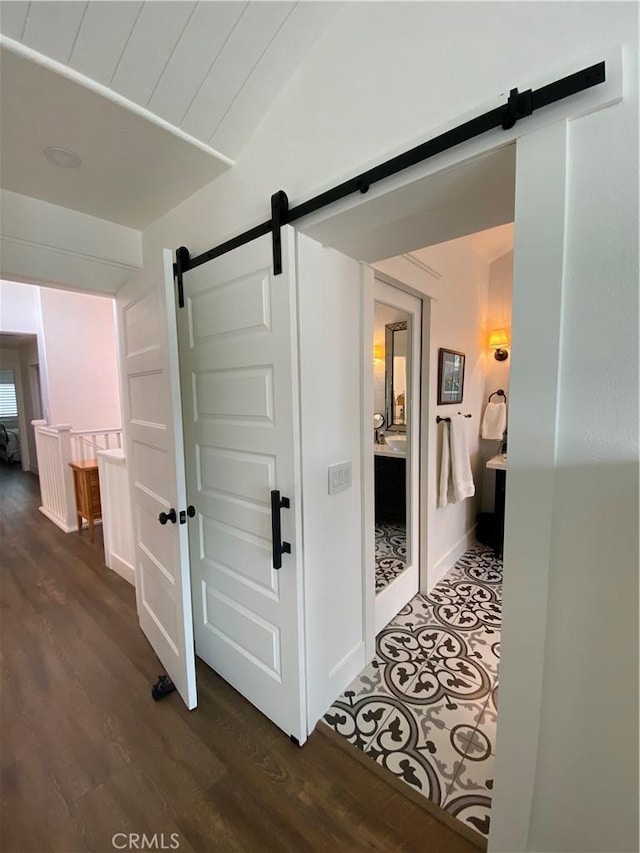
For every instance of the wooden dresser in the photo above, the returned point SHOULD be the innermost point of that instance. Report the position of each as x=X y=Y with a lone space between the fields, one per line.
x=87 y=488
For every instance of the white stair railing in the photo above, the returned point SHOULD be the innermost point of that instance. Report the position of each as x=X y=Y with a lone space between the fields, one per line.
x=56 y=447
x=86 y=443
x=53 y=447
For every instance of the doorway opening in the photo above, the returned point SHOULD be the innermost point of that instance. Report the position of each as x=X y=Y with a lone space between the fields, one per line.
x=425 y=707
x=19 y=399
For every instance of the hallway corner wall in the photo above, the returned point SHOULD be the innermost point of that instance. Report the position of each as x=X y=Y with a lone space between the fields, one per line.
x=81 y=356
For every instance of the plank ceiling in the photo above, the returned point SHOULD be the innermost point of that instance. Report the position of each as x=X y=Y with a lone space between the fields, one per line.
x=209 y=69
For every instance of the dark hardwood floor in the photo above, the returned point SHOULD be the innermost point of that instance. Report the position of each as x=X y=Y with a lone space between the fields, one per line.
x=86 y=753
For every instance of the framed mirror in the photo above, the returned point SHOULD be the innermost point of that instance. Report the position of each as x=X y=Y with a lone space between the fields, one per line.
x=396 y=349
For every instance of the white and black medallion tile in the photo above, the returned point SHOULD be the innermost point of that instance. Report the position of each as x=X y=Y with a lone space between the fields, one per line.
x=390 y=553
x=426 y=707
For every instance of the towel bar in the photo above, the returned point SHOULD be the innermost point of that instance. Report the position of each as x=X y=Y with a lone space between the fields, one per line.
x=448 y=420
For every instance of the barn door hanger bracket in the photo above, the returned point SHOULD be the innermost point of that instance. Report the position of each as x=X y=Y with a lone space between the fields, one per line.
x=279 y=217
x=181 y=266
x=519 y=105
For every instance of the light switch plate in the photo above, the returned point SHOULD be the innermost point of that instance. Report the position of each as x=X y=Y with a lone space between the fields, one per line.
x=339 y=477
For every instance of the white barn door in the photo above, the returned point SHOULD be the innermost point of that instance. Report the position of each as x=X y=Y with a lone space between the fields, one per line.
x=238 y=362
x=155 y=463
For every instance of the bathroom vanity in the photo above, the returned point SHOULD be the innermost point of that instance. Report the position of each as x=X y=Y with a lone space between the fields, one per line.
x=499 y=465
x=390 y=482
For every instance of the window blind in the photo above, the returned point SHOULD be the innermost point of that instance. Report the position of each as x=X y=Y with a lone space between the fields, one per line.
x=8 y=401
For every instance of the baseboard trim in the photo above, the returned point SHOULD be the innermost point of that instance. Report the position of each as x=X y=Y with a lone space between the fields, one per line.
x=390 y=601
x=338 y=679
x=452 y=556
x=122 y=568
x=359 y=646
x=57 y=521
x=436 y=811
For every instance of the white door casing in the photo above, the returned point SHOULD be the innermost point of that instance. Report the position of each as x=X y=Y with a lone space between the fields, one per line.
x=238 y=362
x=394 y=596
x=155 y=461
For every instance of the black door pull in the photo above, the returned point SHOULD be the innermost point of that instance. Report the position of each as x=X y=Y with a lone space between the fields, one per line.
x=168 y=516
x=278 y=546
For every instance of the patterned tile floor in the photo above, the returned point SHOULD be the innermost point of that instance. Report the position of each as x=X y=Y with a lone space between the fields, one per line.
x=426 y=707
x=391 y=552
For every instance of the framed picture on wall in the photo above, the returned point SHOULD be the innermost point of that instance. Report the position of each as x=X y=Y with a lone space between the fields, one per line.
x=450 y=376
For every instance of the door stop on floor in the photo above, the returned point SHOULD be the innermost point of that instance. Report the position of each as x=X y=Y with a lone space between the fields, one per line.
x=162 y=687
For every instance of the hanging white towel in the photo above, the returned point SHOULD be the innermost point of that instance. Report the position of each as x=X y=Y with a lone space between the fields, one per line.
x=494 y=421
x=445 y=467
x=461 y=475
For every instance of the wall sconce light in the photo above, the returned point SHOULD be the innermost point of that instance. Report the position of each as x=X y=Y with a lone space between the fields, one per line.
x=378 y=352
x=498 y=339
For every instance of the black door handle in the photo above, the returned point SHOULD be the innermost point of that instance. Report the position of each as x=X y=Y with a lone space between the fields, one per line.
x=167 y=516
x=278 y=546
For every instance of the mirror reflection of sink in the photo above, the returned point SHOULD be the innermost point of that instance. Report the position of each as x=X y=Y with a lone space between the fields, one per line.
x=396 y=442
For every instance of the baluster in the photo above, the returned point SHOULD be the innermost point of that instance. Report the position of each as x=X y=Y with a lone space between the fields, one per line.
x=56 y=477
x=51 y=474
x=46 y=469
x=51 y=449
x=46 y=472
x=68 y=502
x=60 y=480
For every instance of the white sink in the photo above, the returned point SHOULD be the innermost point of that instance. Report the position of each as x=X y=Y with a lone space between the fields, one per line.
x=396 y=442
x=499 y=462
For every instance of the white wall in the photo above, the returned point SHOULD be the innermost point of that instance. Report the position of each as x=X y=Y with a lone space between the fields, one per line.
x=42 y=242
x=593 y=577
x=497 y=373
x=81 y=360
x=458 y=321
x=76 y=353
x=19 y=308
x=385 y=75
x=351 y=104
x=499 y=317
x=329 y=300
